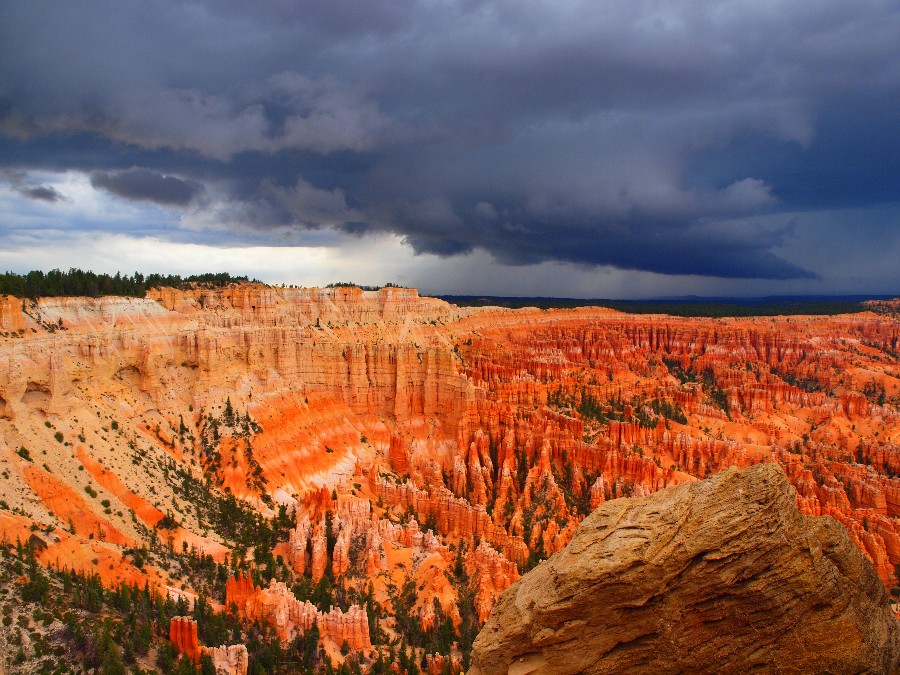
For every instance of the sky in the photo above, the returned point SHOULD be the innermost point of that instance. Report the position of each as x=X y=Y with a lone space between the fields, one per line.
x=614 y=149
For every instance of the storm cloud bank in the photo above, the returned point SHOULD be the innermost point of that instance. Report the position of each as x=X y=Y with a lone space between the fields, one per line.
x=657 y=136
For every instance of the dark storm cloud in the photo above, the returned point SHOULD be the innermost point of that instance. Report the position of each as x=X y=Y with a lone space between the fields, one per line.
x=665 y=137
x=147 y=185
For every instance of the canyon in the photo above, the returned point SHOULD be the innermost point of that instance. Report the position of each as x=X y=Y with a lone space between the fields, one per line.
x=419 y=457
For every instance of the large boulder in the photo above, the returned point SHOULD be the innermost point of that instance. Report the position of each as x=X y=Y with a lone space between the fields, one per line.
x=721 y=575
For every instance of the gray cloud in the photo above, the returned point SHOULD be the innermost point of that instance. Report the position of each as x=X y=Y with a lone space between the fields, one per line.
x=44 y=193
x=675 y=138
x=26 y=187
x=147 y=185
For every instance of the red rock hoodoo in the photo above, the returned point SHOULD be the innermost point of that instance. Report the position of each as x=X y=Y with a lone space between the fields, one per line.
x=231 y=660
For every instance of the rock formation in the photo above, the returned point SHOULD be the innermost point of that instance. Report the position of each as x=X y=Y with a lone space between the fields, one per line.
x=11 y=316
x=491 y=574
x=720 y=574
x=231 y=660
x=277 y=607
x=183 y=635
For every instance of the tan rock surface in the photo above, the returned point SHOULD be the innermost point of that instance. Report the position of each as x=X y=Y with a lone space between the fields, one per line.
x=718 y=575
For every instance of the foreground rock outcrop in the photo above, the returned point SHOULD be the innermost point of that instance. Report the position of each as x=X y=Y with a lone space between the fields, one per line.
x=722 y=574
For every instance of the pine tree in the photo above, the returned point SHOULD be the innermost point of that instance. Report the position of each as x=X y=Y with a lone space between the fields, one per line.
x=206 y=665
x=112 y=661
x=229 y=412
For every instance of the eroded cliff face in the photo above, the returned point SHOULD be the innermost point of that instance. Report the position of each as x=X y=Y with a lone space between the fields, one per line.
x=725 y=573
x=430 y=454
